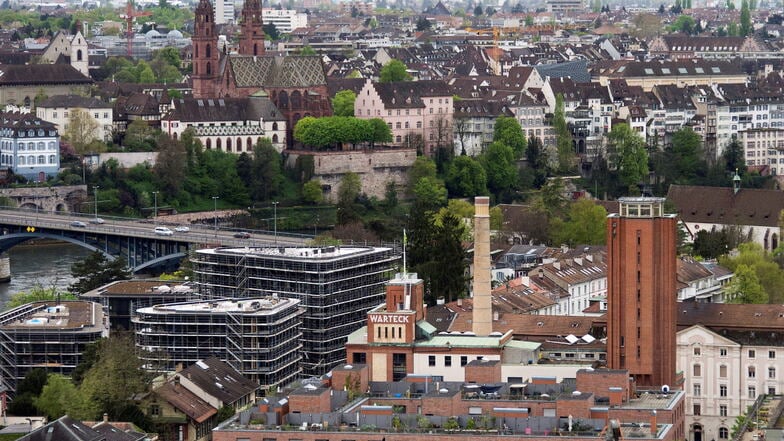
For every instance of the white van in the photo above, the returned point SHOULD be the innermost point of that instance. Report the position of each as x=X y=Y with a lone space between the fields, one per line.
x=163 y=231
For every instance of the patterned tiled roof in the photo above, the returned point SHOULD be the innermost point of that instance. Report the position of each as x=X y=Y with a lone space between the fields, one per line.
x=272 y=71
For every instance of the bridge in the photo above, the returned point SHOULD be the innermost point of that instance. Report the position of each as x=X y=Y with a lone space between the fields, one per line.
x=134 y=240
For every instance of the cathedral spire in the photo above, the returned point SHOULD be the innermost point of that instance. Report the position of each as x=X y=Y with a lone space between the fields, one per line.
x=252 y=38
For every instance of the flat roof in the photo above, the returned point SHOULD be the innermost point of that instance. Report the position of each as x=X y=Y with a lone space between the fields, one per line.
x=53 y=315
x=307 y=253
x=258 y=305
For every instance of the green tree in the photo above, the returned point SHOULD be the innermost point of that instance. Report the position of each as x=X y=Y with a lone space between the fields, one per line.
x=271 y=31
x=348 y=192
x=466 y=177
x=746 y=27
x=733 y=157
x=446 y=273
x=169 y=168
x=97 y=270
x=139 y=136
x=306 y=50
x=499 y=164
x=423 y=24
x=566 y=154
x=628 y=154
x=394 y=71
x=115 y=377
x=508 y=131
x=430 y=193
x=585 y=225
x=145 y=73
x=81 y=130
x=312 y=193
x=745 y=287
x=343 y=103
x=267 y=169
x=769 y=274
x=685 y=24
x=58 y=397
x=37 y=293
x=422 y=167
x=26 y=391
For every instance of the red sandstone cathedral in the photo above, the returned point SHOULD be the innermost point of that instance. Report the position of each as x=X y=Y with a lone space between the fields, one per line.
x=297 y=85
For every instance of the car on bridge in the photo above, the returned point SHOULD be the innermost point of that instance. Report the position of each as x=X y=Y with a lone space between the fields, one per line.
x=96 y=220
x=163 y=231
x=181 y=229
x=79 y=224
x=242 y=235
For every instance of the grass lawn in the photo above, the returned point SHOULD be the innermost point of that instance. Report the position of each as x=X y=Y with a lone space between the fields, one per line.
x=11 y=436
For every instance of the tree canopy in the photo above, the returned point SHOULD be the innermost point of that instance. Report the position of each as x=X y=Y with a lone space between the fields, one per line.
x=507 y=131
x=343 y=103
x=332 y=130
x=394 y=71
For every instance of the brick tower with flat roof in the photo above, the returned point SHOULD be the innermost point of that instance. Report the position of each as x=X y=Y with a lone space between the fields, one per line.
x=641 y=291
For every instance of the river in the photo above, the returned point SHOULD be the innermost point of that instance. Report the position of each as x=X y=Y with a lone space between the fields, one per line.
x=47 y=264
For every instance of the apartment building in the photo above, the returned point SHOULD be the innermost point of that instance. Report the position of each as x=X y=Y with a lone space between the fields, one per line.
x=47 y=335
x=285 y=20
x=336 y=286
x=59 y=109
x=763 y=147
x=730 y=355
x=419 y=113
x=258 y=336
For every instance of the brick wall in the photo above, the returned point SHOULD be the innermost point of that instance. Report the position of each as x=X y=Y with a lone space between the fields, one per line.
x=310 y=402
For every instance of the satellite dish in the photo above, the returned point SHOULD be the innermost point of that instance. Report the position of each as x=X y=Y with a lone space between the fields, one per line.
x=665 y=388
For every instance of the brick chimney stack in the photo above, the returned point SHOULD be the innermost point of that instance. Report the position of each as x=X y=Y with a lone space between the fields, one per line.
x=483 y=309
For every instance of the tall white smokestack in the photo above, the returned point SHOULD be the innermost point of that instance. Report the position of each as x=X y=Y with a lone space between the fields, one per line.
x=483 y=309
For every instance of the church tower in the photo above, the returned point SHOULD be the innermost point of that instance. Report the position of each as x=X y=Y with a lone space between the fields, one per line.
x=252 y=37
x=205 y=51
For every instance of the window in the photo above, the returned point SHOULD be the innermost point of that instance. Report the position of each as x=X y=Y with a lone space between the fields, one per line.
x=752 y=353
x=155 y=410
x=723 y=410
x=723 y=352
x=697 y=370
x=724 y=433
x=697 y=410
x=448 y=361
x=723 y=390
x=431 y=360
x=752 y=392
x=696 y=348
x=771 y=390
x=771 y=354
x=771 y=372
x=463 y=360
x=54 y=114
x=697 y=390
x=752 y=372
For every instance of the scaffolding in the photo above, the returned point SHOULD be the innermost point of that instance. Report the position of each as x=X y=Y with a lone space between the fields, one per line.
x=336 y=286
x=259 y=337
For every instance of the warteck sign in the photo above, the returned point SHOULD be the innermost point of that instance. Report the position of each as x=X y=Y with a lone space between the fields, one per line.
x=389 y=318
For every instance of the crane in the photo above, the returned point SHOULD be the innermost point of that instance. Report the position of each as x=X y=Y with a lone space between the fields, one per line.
x=130 y=14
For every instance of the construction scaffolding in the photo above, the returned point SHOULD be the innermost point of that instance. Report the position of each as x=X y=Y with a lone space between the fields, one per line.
x=335 y=285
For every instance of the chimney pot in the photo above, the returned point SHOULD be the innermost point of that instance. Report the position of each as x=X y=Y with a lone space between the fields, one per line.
x=105 y=417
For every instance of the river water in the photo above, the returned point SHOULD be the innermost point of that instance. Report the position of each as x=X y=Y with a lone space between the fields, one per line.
x=46 y=264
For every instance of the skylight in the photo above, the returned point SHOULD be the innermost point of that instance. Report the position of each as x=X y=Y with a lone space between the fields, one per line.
x=666 y=70
x=648 y=71
x=715 y=69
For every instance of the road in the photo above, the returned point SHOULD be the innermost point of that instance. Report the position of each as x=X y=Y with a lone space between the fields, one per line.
x=199 y=234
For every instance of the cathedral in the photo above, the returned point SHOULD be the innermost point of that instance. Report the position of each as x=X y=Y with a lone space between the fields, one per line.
x=296 y=84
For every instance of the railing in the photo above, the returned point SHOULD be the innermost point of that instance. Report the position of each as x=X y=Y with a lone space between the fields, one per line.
x=750 y=418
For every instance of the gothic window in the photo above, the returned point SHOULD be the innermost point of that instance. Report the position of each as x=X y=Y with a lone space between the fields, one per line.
x=275 y=138
x=208 y=51
x=209 y=143
x=248 y=143
x=255 y=49
x=274 y=126
x=296 y=100
x=79 y=55
x=283 y=100
x=239 y=144
x=228 y=144
x=218 y=144
x=209 y=68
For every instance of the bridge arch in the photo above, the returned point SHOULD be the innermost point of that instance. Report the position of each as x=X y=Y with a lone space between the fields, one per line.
x=8 y=241
x=155 y=262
